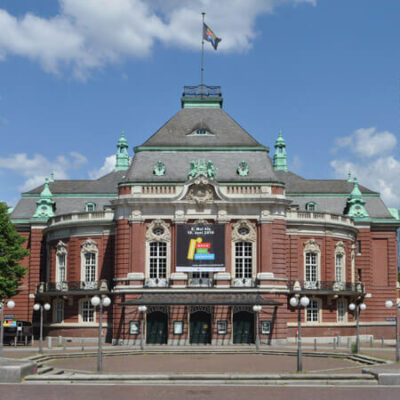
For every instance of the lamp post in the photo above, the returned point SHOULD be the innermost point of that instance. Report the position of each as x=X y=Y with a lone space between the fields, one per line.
x=96 y=301
x=389 y=304
x=143 y=310
x=357 y=308
x=257 y=309
x=10 y=304
x=304 y=302
x=37 y=307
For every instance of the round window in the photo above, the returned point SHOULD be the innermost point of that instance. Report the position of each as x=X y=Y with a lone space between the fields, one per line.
x=158 y=231
x=243 y=230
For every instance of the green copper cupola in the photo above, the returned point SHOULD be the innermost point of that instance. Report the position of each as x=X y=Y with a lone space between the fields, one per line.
x=355 y=206
x=122 y=157
x=280 y=160
x=45 y=205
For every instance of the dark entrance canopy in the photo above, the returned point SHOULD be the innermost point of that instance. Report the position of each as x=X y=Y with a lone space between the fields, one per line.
x=201 y=298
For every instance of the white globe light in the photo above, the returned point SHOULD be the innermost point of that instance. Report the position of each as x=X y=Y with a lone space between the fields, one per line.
x=389 y=303
x=363 y=306
x=106 y=301
x=304 y=301
x=95 y=300
x=256 y=308
x=142 y=308
x=352 y=306
x=293 y=301
x=47 y=306
x=36 y=307
x=11 y=304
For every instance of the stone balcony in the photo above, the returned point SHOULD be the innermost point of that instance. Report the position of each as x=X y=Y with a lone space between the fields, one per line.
x=326 y=287
x=319 y=217
x=107 y=216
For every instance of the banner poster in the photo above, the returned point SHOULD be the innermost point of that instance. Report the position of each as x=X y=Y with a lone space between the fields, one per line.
x=200 y=247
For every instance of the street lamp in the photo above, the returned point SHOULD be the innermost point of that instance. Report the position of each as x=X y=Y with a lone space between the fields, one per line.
x=389 y=304
x=10 y=304
x=304 y=302
x=143 y=310
x=357 y=308
x=96 y=301
x=257 y=309
x=37 y=307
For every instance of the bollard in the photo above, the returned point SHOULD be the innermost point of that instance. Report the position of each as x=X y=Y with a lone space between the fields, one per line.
x=371 y=342
x=315 y=344
x=383 y=341
x=32 y=340
x=65 y=344
x=15 y=341
x=83 y=345
x=60 y=340
x=26 y=340
x=334 y=343
x=338 y=341
x=49 y=342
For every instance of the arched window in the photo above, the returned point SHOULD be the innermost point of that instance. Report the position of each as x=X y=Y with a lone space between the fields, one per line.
x=311 y=264
x=61 y=264
x=89 y=254
x=158 y=249
x=311 y=206
x=244 y=250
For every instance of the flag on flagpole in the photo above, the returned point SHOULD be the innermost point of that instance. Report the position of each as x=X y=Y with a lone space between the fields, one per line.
x=210 y=36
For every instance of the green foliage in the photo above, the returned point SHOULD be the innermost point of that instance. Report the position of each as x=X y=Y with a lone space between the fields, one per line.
x=354 y=348
x=11 y=253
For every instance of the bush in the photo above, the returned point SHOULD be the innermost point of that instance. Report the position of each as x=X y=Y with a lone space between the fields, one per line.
x=354 y=348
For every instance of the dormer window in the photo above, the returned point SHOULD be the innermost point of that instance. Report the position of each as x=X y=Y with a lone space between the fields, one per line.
x=90 y=207
x=311 y=206
x=201 y=132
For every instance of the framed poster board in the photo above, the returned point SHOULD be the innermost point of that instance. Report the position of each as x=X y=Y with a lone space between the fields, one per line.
x=265 y=327
x=178 y=327
x=222 y=327
x=134 y=327
x=200 y=247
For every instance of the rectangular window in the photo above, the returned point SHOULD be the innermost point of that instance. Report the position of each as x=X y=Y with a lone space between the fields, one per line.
x=61 y=268
x=59 y=311
x=243 y=259
x=158 y=260
x=90 y=267
x=87 y=311
x=341 y=310
x=339 y=268
x=358 y=246
x=312 y=312
x=311 y=267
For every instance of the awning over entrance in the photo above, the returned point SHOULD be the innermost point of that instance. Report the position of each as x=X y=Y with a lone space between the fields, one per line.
x=201 y=298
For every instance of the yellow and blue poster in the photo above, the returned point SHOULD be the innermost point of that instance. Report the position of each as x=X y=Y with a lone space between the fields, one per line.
x=200 y=247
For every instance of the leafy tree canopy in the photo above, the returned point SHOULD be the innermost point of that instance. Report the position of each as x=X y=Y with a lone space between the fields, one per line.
x=11 y=253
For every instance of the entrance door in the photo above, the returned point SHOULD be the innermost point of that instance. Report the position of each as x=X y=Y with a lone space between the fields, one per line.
x=157 y=328
x=200 y=328
x=243 y=327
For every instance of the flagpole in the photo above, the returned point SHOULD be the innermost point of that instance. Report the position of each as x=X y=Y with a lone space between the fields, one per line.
x=202 y=52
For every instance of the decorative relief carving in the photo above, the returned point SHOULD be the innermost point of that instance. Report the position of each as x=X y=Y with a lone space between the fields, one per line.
x=159 y=168
x=243 y=169
x=202 y=167
x=244 y=230
x=312 y=246
x=89 y=246
x=201 y=191
x=61 y=248
x=340 y=248
x=158 y=231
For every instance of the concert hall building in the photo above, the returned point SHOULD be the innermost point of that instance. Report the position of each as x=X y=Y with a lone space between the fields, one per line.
x=200 y=226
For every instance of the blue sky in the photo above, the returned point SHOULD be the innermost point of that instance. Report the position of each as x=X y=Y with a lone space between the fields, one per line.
x=73 y=74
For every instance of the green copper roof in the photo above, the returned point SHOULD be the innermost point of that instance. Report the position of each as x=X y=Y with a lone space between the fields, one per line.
x=122 y=157
x=356 y=204
x=280 y=160
x=45 y=205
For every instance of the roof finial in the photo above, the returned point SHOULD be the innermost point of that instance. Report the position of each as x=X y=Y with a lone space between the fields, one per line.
x=280 y=161
x=122 y=156
x=356 y=204
x=349 y=176
x=45 y=205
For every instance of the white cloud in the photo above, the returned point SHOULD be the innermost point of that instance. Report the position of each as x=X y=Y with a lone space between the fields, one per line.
x=371 y=158
x=296 y=164
x=108 y=166
x=368 y=142
x=92 y=33
x=38 y=167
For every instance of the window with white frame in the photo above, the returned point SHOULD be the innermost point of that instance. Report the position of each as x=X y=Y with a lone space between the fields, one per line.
x=87 y=311
x=61 y=268
x=243 y=259
x=90 y=207
x=58 y=311
x=90 y=267
x=339 y=267
x=311 y=267
x=312 y=311
x=341 y=310
x=158 y=260
x=311 y=206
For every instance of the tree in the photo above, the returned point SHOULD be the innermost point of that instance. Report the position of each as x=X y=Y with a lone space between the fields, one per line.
x=11 y=253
